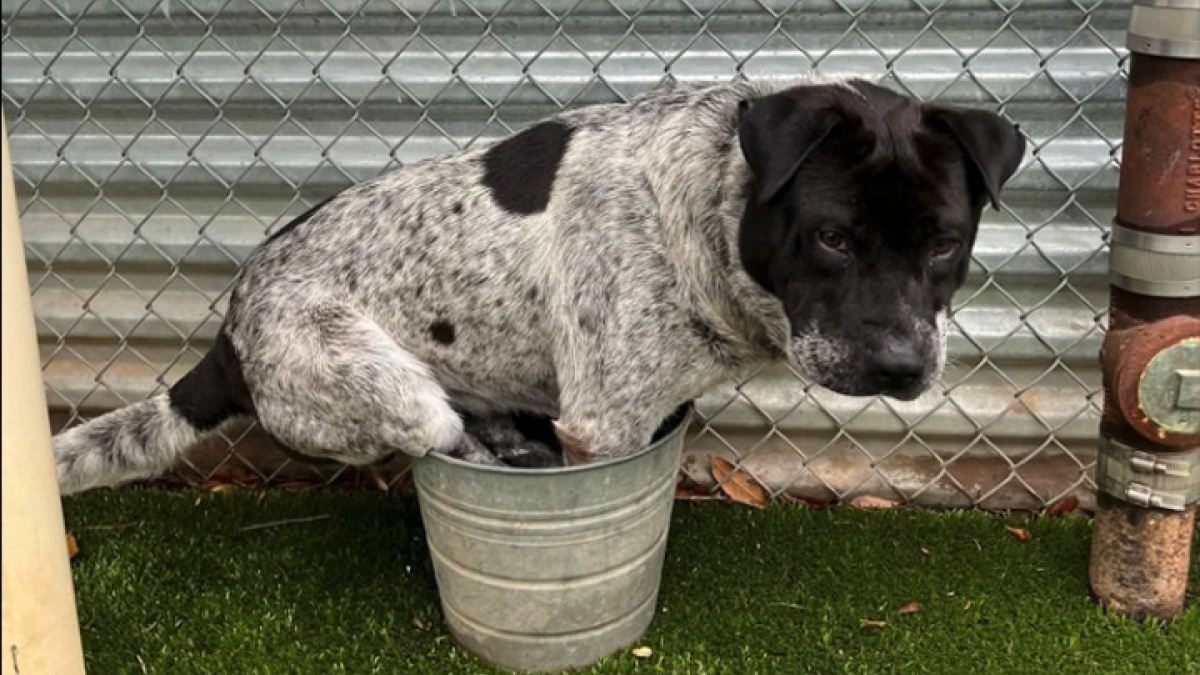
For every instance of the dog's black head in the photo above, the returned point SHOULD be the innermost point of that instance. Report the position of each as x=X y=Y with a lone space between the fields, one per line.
x=862 y=216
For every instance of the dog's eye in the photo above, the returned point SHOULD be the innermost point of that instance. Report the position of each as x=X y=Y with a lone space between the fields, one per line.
x=833 y=240
x=944 y=247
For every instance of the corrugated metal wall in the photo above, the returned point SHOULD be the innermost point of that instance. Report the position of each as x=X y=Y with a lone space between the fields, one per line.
x=157 y=141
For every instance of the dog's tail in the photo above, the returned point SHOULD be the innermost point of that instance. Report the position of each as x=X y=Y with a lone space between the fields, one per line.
x=147 y=438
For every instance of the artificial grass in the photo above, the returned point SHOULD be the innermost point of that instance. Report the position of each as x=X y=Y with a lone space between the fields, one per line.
x=169 y=583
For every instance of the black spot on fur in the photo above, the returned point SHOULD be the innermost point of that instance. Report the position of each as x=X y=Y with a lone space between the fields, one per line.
x=458 y=209
x=299 y=220
x=520 y=170
x=214 y=390
x=442 y=332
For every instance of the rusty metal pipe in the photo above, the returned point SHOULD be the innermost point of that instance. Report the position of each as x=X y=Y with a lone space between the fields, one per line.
x=1150 y=430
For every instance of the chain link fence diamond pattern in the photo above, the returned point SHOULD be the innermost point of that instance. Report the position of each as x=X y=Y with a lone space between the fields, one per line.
x=156 y=142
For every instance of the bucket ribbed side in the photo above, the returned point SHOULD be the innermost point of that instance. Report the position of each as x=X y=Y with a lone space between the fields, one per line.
x=542 y=572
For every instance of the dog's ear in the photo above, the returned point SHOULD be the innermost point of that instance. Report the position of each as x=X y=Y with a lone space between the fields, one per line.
x=994 y=145
x=779 y=131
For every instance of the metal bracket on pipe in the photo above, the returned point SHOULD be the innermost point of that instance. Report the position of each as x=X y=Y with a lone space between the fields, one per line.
x=1160 y=265
x=1168 y=28
x=1160 y=481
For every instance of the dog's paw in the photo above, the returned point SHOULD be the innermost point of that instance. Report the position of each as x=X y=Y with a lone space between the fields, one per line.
x=470 y=450
x=575 y=451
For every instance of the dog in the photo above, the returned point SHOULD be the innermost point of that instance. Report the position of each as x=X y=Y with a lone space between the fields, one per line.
x=600 y=267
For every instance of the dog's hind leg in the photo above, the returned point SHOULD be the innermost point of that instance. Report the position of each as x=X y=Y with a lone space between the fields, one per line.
x=329 y=383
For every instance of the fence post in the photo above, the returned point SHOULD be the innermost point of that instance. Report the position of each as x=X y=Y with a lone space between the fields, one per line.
x=1148 y=470
x=40 y=627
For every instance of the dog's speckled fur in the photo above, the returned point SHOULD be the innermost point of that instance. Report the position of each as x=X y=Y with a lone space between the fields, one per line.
x=587 y=269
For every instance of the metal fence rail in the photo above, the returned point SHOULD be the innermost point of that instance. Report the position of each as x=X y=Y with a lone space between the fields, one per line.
x=156 y=142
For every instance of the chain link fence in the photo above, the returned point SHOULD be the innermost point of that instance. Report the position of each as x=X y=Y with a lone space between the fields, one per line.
x=156 y=142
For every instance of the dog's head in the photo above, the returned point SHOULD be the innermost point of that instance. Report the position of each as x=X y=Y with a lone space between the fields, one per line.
x=862 y=216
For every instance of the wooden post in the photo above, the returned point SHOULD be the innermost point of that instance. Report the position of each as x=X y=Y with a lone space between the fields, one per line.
x=40 y=627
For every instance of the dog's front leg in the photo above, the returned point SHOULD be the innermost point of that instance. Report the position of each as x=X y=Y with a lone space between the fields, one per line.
x=625 y=354
x=597 y=437
x=613 y=398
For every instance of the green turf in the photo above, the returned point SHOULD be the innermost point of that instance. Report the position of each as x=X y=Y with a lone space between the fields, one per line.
x=168 y=583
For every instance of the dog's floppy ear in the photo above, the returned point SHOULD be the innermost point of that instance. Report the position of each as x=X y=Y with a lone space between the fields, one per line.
x=779 y=131
x=994 y=145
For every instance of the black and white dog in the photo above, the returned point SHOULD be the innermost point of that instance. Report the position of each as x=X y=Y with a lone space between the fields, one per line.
x=601 y=268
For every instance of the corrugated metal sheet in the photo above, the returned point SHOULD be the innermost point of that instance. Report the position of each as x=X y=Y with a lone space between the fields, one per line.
x=156 y=142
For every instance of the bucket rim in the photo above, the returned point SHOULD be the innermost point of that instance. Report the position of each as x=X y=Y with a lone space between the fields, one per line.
x=688 y=411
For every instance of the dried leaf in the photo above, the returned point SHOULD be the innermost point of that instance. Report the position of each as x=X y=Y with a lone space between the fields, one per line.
x=738 y=486
x=72 y=547
x=910 y=608
x=216 y=486
x=1064 y=506
x=1019 y=532
x=924 y=551
x=810 y=502
x=242 y=475
x=869 y=502
x=868 y=623
x=643 y=652
x=298 y=486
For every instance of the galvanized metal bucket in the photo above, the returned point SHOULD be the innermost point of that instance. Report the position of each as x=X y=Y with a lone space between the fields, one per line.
x=547 y=569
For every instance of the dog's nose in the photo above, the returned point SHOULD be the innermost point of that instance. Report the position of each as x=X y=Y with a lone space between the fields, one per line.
x=898 y=367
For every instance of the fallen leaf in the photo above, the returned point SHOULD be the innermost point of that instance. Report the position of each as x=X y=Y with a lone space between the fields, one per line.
x=72 y=547
x=737 y=485
x=1019 y=532
x=910 y=608
x=810 y=502
x=868 y=623
x=297 y=486
x=643 y=652
x=377 y=479
x=217 y=486
x=1064 y=506
x=869 y=502
x=924 y=551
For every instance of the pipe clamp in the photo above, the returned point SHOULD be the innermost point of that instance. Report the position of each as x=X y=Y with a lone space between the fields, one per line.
x=1159 y=265
x=1169 y=28
x=1170 y=482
